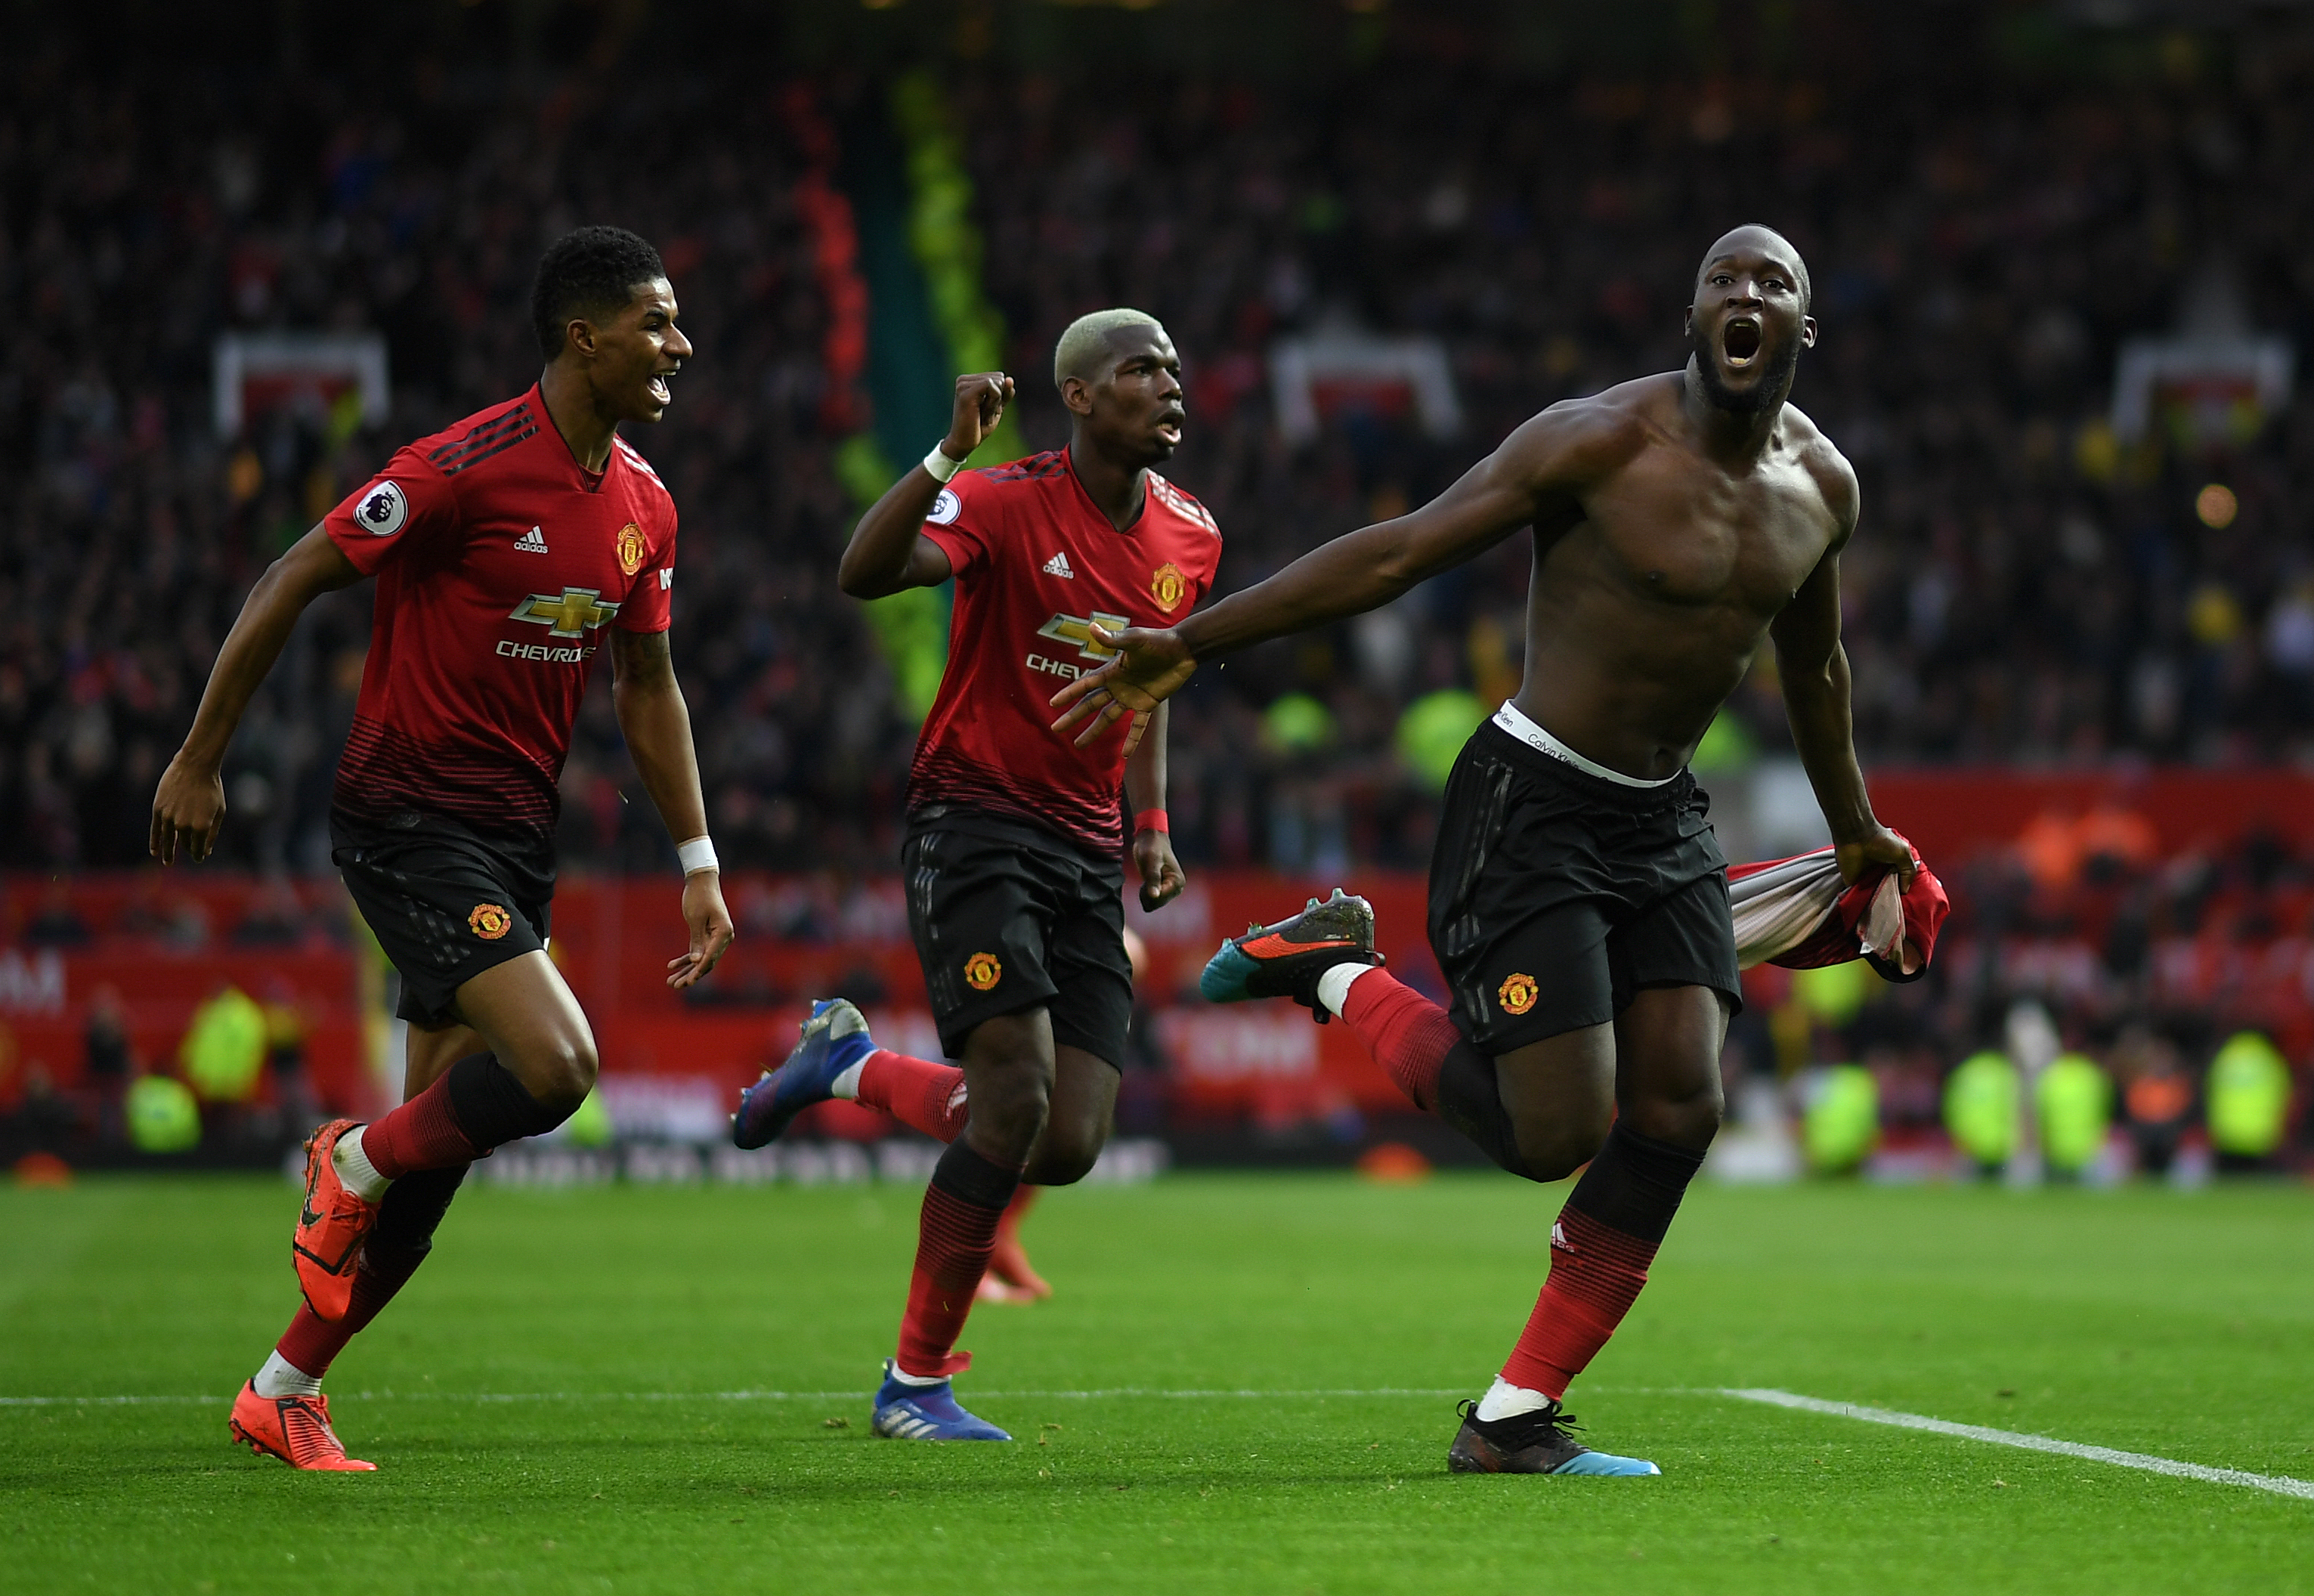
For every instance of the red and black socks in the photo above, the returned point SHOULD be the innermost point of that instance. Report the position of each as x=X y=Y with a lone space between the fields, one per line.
x=1600 y=1246
x=962 y=1205
x=473 y=1105
x=407 y=1217
x=1408 y=1034
x=917 y=1092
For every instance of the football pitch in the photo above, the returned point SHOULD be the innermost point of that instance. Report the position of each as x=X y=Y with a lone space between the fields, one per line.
x=1245 y=1383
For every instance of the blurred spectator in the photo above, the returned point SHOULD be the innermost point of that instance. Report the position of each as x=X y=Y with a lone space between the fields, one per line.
x=2025 y=587
x=1981 y=1104
x=2072 y=1108
x=2157 y=1096
x=2248 y=1098
x=108 y=1063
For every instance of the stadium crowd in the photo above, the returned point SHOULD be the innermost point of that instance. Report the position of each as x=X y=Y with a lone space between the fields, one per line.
x=2025 y=588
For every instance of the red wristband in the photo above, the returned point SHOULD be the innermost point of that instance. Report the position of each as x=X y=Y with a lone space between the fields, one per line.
x=1151 y=820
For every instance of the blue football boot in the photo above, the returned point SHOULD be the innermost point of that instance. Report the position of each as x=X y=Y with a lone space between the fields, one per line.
x=1535 y=1442
x=925 y=1413
x=1285 y=959
x=834 y=1038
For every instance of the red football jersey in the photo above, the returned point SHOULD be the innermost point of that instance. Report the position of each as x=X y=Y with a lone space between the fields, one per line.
x=498 y=560
x=1036 y=562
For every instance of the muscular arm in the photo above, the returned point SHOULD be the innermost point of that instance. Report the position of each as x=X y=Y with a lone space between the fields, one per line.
x=1813 y=667
x=1365 y=570
x=190 y=805
x=656 y=724
x=889 y=551
x=1541 y=469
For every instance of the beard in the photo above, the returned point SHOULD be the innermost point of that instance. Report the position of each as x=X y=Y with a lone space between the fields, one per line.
x=1775 y=379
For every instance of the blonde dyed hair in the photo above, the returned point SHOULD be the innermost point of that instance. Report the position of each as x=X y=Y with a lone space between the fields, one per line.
x=1085 y=345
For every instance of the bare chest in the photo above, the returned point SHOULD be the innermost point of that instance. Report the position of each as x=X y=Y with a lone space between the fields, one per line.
x=1683 y=533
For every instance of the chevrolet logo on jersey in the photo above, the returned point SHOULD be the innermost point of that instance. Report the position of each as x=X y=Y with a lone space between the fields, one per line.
x=572 y=613
x=1077 y=630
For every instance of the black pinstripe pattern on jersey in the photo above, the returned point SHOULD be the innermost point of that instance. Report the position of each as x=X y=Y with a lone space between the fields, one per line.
x=517 y=417
x=496 y=448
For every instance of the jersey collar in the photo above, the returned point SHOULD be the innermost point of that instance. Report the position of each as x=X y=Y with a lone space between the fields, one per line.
x=1131 y=527
x=589 y=482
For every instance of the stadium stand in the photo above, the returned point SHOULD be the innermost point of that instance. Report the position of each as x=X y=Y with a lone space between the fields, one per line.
x=1989 y=225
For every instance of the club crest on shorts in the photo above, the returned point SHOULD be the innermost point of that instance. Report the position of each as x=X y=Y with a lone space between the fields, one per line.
x=1517 y=993
x=982 y=971
x=489 y=922
x=383 y=509
x=1167 y=586
x=631 y=548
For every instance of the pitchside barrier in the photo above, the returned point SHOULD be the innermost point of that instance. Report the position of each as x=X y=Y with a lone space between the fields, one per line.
x=150 y=947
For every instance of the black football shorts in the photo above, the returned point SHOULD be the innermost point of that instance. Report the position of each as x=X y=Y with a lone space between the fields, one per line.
x=1007 y=917
x=1555 y=894
x=445 y=902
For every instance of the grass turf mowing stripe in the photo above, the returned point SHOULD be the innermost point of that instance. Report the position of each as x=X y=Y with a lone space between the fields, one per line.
x=1171 y=1396
x=2281 y=1485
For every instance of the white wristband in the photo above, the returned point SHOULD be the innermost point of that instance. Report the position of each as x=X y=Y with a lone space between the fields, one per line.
x=696 y=855
x=942 y=467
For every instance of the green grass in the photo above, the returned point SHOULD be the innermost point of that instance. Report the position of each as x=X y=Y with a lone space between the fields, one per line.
x=2175 y=1324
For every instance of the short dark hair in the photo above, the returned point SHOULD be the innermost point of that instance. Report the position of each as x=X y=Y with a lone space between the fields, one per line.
x=589 y=271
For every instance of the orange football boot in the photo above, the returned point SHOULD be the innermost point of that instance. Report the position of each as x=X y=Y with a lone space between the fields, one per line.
x=294 y=1429
x=332 y=1228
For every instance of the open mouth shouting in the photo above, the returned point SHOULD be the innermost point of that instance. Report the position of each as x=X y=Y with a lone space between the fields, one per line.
x=1168 y=427
x=658 y=391
x=1740 y=341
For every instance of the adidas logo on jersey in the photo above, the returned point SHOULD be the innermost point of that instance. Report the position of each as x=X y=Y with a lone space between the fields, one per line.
x=1058 y=566
x=532 y=541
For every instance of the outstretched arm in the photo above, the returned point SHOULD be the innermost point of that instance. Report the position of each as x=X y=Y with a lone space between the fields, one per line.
x=1548 y=459
x=1813 y=667
x=889 y=551
x=188 y=806
x=656 y=724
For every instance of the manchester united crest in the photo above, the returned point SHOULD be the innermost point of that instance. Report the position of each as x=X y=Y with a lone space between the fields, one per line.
x=1518 y=994
x=631 y=548
x=1168 y=586
x=982 y=971
x=489 y=922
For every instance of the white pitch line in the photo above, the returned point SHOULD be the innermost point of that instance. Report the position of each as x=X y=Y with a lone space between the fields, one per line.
x=853 y=1394
x=2281 y=1485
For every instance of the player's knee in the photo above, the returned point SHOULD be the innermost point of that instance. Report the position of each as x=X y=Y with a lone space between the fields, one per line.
x=1554 y=1149
x=561 y=1071
x=1063 y=1161
x=1688 y=1119
x=1011 y=1100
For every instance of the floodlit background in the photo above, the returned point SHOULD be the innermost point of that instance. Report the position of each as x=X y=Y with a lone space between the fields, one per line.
x=2060 y=262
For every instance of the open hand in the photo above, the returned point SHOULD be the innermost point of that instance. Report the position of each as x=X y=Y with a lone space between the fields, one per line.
x=1884 y=848
x=1162 y=879
x=710 y=929
x=1150 y=667
x=187 y=807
